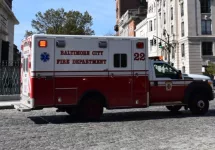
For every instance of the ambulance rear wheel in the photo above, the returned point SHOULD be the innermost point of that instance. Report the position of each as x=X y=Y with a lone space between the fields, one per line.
x=91 y=108
x=174 y=108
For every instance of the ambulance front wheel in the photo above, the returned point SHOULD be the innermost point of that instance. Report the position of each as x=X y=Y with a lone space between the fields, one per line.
x=90 y=108
x=199 y=105
x=174 y=108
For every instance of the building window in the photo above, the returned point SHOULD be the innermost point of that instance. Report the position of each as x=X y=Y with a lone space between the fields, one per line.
x=206 y=27
x=120 y=60
x=150 y=25
x=171 y=29
x=182 y=9
x=205 y=6
x=172 y=13
x=164 y=16
x=173 y=53
x=182 y=50
x=207 y=48
x=183 y=69
x=182 y=29
x=154 y=24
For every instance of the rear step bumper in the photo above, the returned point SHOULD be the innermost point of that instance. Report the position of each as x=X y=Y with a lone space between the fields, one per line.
x=21 y=107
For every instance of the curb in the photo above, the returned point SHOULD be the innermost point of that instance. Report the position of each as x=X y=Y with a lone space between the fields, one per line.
x=9 y=97
x=6 y=107
x=8 y=104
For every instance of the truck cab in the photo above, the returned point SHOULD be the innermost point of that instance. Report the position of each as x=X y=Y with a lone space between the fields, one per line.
x=171 y=88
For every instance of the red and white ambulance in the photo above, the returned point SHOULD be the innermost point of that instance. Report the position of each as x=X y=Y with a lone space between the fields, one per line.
x=84 y=74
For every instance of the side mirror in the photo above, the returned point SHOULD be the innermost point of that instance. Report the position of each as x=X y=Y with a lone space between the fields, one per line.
x=179 y=74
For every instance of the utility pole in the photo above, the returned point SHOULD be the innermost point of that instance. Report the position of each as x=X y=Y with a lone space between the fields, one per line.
x=169 y=49
x=166 y=42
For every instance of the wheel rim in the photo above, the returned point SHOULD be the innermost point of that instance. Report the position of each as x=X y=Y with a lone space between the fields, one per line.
x=201 y=104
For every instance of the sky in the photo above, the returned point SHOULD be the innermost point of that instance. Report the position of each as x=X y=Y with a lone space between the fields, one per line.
x=102 y=11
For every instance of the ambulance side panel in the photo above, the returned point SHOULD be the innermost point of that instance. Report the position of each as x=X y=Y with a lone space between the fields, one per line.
x=81 y=65
x=43 y=72
x=140 y=73
x=120 y=73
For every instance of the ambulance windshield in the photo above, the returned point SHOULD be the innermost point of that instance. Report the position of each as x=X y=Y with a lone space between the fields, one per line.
x=163 y=70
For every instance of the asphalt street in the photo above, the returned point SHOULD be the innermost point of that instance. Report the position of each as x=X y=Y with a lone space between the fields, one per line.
x=150 y=128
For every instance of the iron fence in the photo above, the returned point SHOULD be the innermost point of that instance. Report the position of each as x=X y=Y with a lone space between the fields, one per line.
x=10 y=77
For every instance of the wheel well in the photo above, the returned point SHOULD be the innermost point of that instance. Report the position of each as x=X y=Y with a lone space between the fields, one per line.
x=200 y=88
x=102 y=98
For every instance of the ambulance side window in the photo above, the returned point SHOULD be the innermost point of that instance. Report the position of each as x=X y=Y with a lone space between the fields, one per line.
x=23 y=66
x=163 y=70
x=26 y=65
x=120 y=60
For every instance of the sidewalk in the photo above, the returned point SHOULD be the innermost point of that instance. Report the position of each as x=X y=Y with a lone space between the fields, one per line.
x=8 y=104
x=9 y=97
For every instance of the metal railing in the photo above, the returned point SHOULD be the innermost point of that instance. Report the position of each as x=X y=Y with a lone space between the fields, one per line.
x=9 y=77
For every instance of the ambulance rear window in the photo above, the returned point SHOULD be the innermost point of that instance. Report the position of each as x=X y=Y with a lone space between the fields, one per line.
x=120 y=60
x=25 y=65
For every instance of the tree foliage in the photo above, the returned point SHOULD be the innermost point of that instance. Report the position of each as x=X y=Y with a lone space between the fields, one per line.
x=210 y=69
x=28 y=33
x=61 y=22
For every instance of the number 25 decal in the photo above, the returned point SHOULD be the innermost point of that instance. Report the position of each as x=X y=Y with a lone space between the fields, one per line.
x=139 y=56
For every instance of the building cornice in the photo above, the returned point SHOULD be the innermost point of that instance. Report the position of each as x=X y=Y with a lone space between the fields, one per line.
x=4 y=5
x=141 y=24
x=201 y=38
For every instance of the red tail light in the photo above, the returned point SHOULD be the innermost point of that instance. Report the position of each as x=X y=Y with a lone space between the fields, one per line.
x=140 y=45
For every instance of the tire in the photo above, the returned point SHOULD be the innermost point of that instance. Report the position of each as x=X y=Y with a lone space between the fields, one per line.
x=199 y=105
x=72 y=112
x=174 y=108
x=90 y=109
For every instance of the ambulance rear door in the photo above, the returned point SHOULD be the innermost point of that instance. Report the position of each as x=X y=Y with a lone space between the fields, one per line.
x=44 y=48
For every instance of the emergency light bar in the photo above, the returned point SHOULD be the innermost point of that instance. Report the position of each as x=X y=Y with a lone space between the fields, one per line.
x=160 y=58
x=140 y=45
x=42 y=43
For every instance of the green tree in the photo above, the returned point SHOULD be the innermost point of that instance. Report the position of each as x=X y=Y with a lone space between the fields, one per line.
x=28 y=33
x=61 y=22
x=210 y=70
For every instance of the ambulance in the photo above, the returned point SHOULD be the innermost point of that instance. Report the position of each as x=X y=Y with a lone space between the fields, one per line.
x=82 y=75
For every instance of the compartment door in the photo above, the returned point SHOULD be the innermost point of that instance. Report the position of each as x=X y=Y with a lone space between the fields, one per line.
x=44 y=71
x=120 y=76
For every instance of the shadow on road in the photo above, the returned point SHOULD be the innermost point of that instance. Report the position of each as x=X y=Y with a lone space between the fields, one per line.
x=119 y=117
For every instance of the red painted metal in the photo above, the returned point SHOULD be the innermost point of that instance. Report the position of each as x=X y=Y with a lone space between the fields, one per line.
x=120 y=91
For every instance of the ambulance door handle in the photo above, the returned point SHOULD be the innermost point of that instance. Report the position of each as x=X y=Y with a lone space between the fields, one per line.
x=136 y=74
x=48 y=78
x=130 y=81
x=38 y=76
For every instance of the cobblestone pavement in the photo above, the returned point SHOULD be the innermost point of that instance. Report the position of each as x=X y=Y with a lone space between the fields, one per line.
x=150 y=128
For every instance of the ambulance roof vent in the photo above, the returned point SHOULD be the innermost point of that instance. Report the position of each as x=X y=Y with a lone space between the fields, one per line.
x=60 y=43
